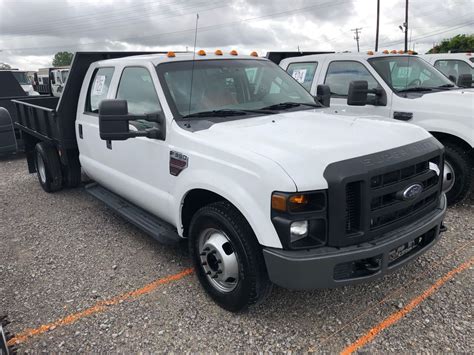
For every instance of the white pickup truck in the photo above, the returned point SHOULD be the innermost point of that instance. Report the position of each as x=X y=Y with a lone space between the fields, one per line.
x=458 y=67
x=231 y=153
x=398 y=87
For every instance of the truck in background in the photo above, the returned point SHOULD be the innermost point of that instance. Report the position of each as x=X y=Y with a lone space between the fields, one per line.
x=58 y=79
x=458 y=67
x=24 y=80
x=44 y=79
x=398 y=87
x=231 y=153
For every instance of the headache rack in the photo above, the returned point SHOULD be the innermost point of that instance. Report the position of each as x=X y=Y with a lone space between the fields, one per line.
x=370 y=190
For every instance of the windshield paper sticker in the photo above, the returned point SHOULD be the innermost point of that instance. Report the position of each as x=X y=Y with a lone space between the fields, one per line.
x=99 y=85
x=299 y=75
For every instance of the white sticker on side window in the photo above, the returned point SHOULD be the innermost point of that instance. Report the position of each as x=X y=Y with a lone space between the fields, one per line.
x=299 y=75
x=99 y=85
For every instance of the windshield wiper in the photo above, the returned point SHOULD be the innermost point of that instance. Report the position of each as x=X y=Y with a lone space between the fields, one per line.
x=446 y=86
x=226 y=113
x=415 y=89
x=286 y=105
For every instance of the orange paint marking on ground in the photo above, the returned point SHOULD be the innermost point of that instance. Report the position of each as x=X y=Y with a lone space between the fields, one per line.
x=395 y=317
x=97 y=308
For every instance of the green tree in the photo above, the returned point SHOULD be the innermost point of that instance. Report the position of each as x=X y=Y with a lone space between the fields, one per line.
x=62 y=59
x=459 y=43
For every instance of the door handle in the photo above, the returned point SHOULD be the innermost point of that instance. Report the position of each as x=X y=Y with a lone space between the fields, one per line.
x=403 y=116
x=80 y=132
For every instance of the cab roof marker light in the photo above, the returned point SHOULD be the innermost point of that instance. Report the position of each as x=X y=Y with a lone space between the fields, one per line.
x=254 y=54
x=170 y=54
x=401 y=51
x=393 y=51
x=202 y=52
x=233 y=52
x=218 y=52
x=370 y=53
x=386 y=51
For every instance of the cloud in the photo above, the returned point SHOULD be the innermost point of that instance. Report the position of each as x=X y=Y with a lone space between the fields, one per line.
x=31 y=32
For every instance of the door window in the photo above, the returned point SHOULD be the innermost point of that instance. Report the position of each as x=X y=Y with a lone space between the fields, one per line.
x=303 y=73
x=453 y=68
x=341 y=73
x=136 y=86
x=98 y=88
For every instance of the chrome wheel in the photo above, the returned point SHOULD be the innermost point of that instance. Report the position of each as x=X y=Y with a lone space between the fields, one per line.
x=218 y=259
x=40 y=167
x=449 y=178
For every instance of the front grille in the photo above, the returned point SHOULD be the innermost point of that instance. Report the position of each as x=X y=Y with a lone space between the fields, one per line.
x=387 y=205
x=368 y=196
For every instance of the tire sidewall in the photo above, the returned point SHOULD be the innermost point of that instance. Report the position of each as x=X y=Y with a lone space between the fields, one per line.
x=39 y=154
x=52 y=167
x=461 y=170
x=238 y=298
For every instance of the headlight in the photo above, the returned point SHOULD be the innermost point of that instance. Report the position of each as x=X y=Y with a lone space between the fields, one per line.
x=300 y=219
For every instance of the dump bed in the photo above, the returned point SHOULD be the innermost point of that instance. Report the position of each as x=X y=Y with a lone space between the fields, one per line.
x=52 y=118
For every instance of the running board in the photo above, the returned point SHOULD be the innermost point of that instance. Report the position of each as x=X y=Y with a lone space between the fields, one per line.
x=157 y=228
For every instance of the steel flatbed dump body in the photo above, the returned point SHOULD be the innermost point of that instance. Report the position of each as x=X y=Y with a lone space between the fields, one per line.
x=51 y=119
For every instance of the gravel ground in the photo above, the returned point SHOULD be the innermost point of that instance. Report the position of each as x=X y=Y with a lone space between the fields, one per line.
x=62 y=253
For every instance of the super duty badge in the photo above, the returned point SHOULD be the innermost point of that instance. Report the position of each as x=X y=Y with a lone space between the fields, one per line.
x=178 y=162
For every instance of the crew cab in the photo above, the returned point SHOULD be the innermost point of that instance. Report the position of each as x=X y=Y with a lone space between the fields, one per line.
x=231 y=153
x=458 y=67
x=398 y=87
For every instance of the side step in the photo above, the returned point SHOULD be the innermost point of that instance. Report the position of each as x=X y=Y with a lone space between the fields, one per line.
x=160 y=230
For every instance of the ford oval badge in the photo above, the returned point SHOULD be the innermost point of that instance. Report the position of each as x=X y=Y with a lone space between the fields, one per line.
x=412 y=191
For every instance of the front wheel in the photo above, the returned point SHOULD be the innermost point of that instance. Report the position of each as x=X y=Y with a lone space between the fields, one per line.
x=227 y=257
x=457 y=173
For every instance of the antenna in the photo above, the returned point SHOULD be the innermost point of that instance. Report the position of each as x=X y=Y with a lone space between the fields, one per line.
x=192 y=68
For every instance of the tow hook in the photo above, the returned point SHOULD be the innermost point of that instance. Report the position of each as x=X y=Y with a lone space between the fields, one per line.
x=371 y=264
x=443 y=228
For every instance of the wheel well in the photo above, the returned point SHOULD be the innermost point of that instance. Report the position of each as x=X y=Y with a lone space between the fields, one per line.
x=447 y=138
x=194 y=200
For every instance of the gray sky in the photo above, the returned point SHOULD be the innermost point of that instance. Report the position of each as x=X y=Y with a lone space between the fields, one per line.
x=31 y=31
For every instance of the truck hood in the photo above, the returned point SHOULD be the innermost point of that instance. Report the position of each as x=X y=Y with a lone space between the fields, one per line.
x=450 y=101
x=304 y=143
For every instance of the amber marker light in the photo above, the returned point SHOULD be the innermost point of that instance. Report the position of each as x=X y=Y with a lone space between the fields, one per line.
x=254 y=54
x=170 y=54
x=233 y=52
x=279 y=202
x=201 y=52
x=218 y=52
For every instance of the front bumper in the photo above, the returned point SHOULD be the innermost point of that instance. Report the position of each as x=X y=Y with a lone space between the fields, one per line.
x=330 y=267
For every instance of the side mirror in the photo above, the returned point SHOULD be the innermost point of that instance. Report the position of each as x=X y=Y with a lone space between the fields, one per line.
x=358 y=94
x=465 y=80
x=114 y=122
x=358 y=91
x=323 y=95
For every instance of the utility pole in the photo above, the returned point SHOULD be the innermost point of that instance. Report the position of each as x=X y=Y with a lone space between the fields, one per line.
x=406 y=26
x=356 y=37
x=377 y=30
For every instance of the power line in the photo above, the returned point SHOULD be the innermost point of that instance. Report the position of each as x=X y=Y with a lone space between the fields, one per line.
x=188 y=30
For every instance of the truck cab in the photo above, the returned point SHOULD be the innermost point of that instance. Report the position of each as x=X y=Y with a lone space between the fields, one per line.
x=398 y=87
x=232 y=154
x=58 y=79
x=458 y=67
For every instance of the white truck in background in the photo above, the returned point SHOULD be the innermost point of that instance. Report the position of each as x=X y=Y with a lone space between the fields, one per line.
x=458 y=67
x=24 y=80
x=58 y=78
x=231 y=153
x=398 y=87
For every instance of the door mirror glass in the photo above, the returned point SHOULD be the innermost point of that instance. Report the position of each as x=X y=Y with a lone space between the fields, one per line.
x=465 y=80
x=114 y=122
x=358 y=91
x=323 y=95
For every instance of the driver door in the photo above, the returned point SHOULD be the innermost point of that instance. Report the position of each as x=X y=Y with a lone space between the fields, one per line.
x=339 y=74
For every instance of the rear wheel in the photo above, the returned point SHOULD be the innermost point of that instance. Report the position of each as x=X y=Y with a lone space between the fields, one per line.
x=48 y=167
x=457 y=173
x=227 y=257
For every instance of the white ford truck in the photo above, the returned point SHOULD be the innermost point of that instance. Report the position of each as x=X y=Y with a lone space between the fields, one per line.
x=231 y=153
x=458 y=67
x=398 y=87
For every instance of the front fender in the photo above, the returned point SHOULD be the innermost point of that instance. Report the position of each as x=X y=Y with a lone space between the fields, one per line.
x=453 y=127
x=254 y=203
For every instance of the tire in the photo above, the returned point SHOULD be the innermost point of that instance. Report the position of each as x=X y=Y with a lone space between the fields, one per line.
x=220 y=232
x=458 y=160
x=48 y=167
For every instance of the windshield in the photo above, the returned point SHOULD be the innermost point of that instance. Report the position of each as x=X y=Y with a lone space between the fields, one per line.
x=454 y=68
x=403 y=73
x=22 y=78
x=230 y=87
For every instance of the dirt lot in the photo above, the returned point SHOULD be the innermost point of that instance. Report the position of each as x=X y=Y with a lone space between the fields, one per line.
x=75 y=277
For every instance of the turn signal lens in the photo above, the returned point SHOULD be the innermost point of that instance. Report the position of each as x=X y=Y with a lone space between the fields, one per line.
x=218 y=52
x=201 y=52
x=279 y=202
x=233 y=52
x=254 y=54
x=170 y=54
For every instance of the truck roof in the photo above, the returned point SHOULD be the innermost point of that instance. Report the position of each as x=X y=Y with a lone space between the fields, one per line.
x=460 y=56
x=178 y=57
x=345 y=56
